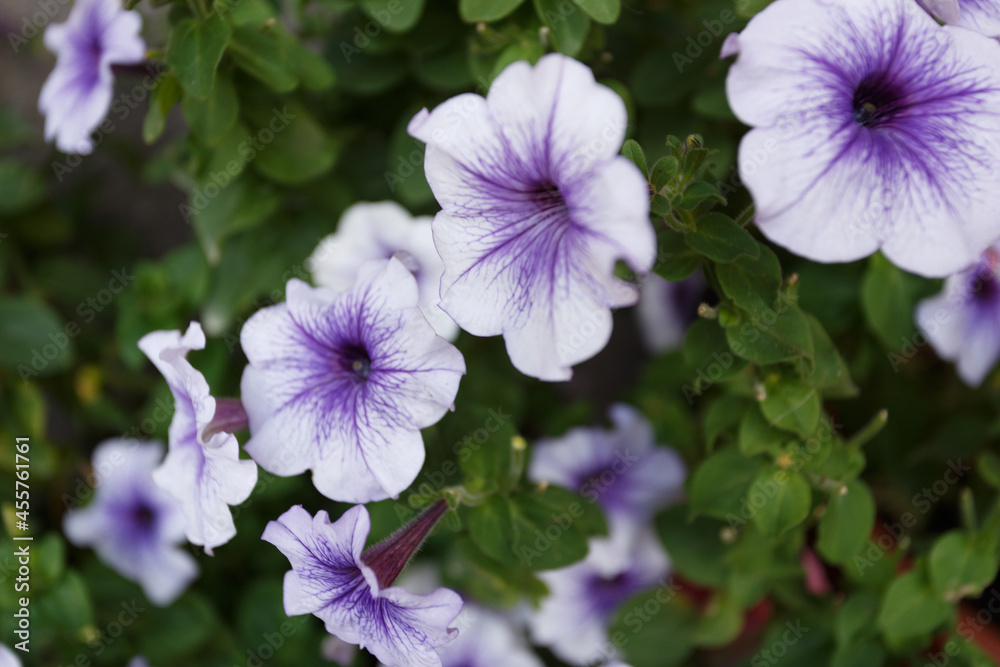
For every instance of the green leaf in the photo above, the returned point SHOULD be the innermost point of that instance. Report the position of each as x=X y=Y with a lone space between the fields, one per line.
x=723 y=415
x=663 y=172
x=862 y=655
x=550 y=531
x=20 y=187
x=828 y=372
x=758 y=436
x=162 y=99
x=695 y=547
x=300 y=150
x=847 y=523
x=312 y=70
x=194 y=52
x=473 y=11
x=989 y=469
x=888 y=298
x=491 y=529
x=752 y=282
x=791 y=406
x=602 y=11
x=855 y=620
x=262 y=56
x=961 y=565
x=644 y=621
x=784 y=336
x=33 y=338
x=569 y=29
x=395 y=16
x=910 y=609
x=706 y=351
x=720 y=483
x=633 y=151
x=236 y=207
x=676 y=260
x=782 y=499
x=490 y=581
x=721 y=623
x=720 y=239
x=212 y=118
x=698 y=193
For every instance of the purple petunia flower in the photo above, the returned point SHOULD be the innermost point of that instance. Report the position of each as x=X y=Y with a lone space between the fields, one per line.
x=77 y=94
x=666 y=309
x=487 y=638
x=874 y=128
x=380 y=231
x=537 y=207
x=622 y=469
x=583 y=598
x=203 y=471
x=342 y=383
x=963 y=322
x=352 y=591
x=134 y=525
x=979 y=15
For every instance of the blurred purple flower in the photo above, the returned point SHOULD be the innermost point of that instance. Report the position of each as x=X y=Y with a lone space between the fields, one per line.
x=583 y=598
x=204 y=473
x=537 y=207
x=979 y=15
x=622 y=468
x=8 y=658
x=379 y=231
x=487 y=638
x=77 y=95
x=962 y=323
x=133 y=525
x=352 y=591
x=874 y=128
x=342 y=383
x=666 y=309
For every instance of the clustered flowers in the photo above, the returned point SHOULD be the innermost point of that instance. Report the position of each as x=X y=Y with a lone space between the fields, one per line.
x=874 y=128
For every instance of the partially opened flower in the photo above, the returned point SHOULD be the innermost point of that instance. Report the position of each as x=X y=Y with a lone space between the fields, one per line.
x=962 y=323
x=351 y=589
x=379 y=231
x=573 y=620
x=666 y=309
x=622 y=469
x=874 y=128
x=133 y=525
x=204 y=472
x=77 y=95
x=979 y=15
x=537 y=207
x=342 y=383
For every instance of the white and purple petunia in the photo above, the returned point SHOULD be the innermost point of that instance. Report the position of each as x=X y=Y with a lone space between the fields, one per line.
x=962 y=323
x=979 y=15
x=133 y=525
x=342 y=383
x=573 y=620
x=383 y=230
x=875 y=128
x=333 y=578
x=8 y=658
x=77 y=95
x=203 y=471
x=537 y=207
x=622 y=469
x=487 y=638
x=666 y=309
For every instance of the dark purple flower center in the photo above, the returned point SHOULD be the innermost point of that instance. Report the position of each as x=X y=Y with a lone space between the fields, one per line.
x=876 y=101
x=548 y=198
x=355 y=359
x=143 y=518
x=607 y=593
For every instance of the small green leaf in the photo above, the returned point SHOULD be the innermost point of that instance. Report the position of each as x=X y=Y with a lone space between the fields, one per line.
x=163 y=98
x=262 y=55
x=602 y=11
x=700 y=192
x=720 y=239
x=782 y=500
x=989 y=469
x=791 y=406
x=473 y=11
x=300 y=150
x=676 y=260
x=961 y=565
x=696 y=548
x=194 y=52
x=720 y=483
x=828 y=372
x=783 y=336
x=548 y=531
x=212 y=118
x=706 y=351
x=633 y=151
x=888 y=298
x=855 y=620
x=663 y=172
x=396 y=16
x=758 y=436
x=847 y=523
x=491 y=529
x=752 y=282
x=312 y=70
x=644 y=621
x=910 y=609
x=33 y=338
